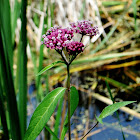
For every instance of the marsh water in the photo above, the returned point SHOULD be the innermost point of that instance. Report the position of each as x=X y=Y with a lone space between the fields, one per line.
x=84 y=118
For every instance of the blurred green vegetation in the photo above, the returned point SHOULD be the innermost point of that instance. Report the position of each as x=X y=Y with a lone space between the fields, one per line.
x=22 y=56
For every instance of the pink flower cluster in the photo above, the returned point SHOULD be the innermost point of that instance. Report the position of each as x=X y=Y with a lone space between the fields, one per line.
x=85 y=28
x=74 y=47
x=57 y=38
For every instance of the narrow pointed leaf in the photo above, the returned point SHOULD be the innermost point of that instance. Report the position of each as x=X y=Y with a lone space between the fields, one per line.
x=74 y=100
x=49 y=67
x=43 y=112
x=111 y=109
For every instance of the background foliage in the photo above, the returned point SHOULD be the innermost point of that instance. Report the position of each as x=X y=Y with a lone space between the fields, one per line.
x=114 y=57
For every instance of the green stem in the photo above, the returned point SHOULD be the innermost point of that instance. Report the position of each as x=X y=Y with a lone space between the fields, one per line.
x=81 y=38
x=68 y=87
x=89 y=130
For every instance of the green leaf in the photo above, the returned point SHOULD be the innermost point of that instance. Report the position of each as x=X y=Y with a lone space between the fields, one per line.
x=74 y=100
x=49 y=67
x=111 y=109
x=43 y=112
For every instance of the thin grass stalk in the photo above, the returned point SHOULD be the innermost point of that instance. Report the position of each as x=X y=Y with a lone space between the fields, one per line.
x=17 y=71
x=47 y=82
x=22 y=104
x=8 y=88
x=58 y=118
x=135 y=13
x=39 y=69
x=36 y=70
x=51 y=132
x=116 y=111
x=14 y=16
x=2 y=114
x=52 y=6
x=33 y=57
x=82 y=10
x=89 y=131
x=63 y=114
x=39 y=90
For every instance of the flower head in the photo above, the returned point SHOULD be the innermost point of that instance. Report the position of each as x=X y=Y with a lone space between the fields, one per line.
x=85 y=28
x=57 y=38
x=74 y=47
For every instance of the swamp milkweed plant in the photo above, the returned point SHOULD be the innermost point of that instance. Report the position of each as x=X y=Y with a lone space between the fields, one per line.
x=62 y=41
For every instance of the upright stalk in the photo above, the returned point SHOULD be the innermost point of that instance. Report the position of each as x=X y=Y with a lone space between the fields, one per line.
x=68 y=87
x=22 y=107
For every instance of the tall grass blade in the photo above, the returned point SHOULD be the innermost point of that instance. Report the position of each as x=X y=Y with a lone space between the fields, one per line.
x=47 y=82
x=108 y=88
x=115 y=83
x=82 y=10
x=2 y=114
x=104 y=57
x=5 y=28
x=39 y=69
x=135 y=13
x=51 y=132
x=116 y=111
x=15 y=13
x=33 y=57
x=23 y=71
x=52 y=6
x=8 y=88
x=58 y=118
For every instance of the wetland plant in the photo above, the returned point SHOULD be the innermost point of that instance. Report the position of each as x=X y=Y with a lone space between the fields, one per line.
x=63 y=42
